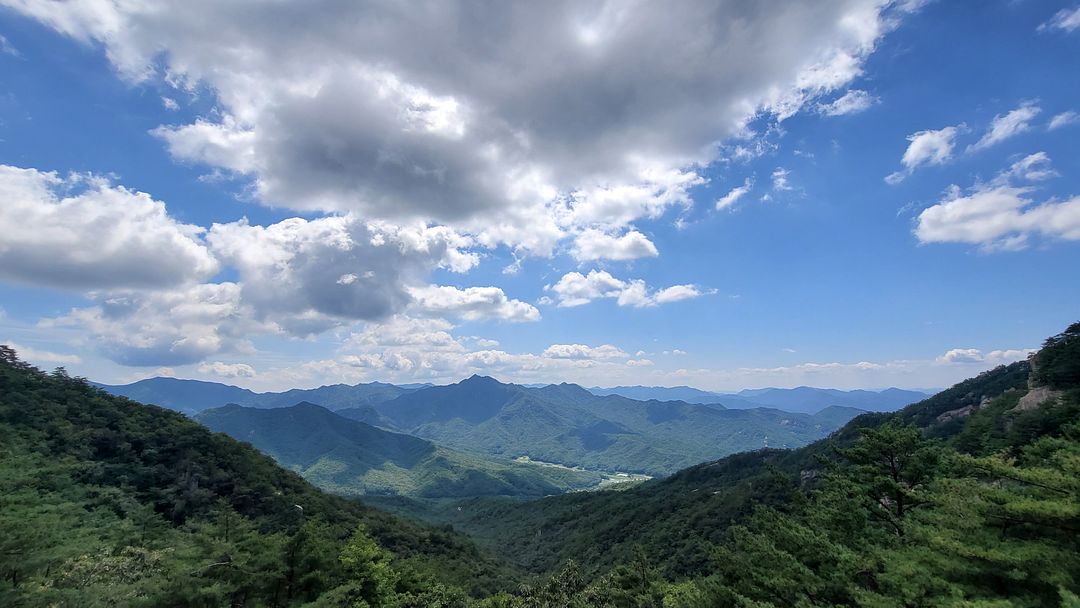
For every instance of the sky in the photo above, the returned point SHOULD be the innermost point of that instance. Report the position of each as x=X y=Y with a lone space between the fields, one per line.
x=849 y=194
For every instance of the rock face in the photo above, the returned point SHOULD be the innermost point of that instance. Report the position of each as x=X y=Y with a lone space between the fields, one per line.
x=962 y=412
x=1036 y=397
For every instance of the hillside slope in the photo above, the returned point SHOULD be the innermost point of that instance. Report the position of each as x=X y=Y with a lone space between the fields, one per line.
x=105 y=501
x=681 y=517
x=353 y=458
x=567 y=424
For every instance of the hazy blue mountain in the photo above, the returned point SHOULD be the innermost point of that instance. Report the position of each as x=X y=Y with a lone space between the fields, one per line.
x=566 y=424
x=192 y=396
x=334 y=396
x=809 y=400
x=354 y=458
x=804 y=399
x=688 y=394
x=188 y=396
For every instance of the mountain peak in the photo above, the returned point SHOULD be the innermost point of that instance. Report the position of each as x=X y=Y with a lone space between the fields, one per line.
x=477 y=379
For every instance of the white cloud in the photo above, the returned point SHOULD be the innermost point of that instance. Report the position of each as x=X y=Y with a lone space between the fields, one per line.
x=575 y=289
x=998 y=217
x=169 y=103
x=780 y=179
x=931 y=147
x=81 y=232
x=166 y=327
x=471 y=304
x=961 y=356
x=1033 y=168
x=35 y=355
x=735 y=194
x=519 y=124
x=1064 y=119
x=6 y=48
x=594 y=244
x=1067 y=19
x=639 y=363
x=852 y=102
x=310 y=275
x=1008 y=125
x=581 y=351
x=228 y=370
x=676 y=293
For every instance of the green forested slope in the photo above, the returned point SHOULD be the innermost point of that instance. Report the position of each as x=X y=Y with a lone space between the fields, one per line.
x=679 y=519
x=968 y=499
x=353 y=458
x=104 y=501
x=977 y=505
x=568 y=425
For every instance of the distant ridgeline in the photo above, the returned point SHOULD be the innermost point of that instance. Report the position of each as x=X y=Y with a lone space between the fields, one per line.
x=562 y=424
x=968 y=498
x=351 y=457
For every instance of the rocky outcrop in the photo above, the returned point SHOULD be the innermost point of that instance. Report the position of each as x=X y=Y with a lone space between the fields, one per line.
x=962 y=412
x=1036 y=397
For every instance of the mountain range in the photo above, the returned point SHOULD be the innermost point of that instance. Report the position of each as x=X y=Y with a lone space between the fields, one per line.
x=562 y=424
x=568 y=425
x=350 y=457
x=803 y=399
x=193 y=396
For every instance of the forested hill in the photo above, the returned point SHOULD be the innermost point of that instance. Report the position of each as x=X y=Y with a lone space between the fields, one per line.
x=350 y=457
x=983 y=505
x=104 y=501
x=969 y=498
x=568 y=425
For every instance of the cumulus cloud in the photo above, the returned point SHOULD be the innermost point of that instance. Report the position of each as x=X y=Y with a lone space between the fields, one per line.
x=962 y=356
x=676 y=293
x=735 y=194
x=582 y=351
x=82 y=232
x=1064 y=119
x=931 y=147
x=228 y=370
x=594 y=244
x=1067 y=19
x=576 y=289
x=175 y=327
x=311 y=275
x=852 y=102
x=471 y=303
x=998 y=217
x=407 y=348
x=1008 y=125
x=518 y=123
x=35 y=355
x=1032 y=168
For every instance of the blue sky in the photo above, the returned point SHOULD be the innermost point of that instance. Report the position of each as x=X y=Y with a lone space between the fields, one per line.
x=853 y=195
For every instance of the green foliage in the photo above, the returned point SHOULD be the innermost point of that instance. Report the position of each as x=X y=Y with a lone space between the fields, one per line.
x=960 y=500
x=349 y=457
x=567 y=424
x=1057 y=364
x=107 y=502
